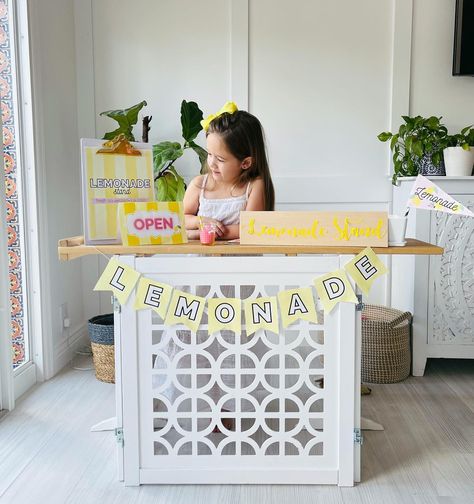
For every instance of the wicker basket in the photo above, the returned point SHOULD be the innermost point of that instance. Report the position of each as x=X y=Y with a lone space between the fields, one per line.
x=386 y=355
x=101 y=333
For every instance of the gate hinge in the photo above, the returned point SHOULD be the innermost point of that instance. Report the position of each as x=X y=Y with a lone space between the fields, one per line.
x=116 y=305
x=119 y=435
x=360 y=304
x=358 y=437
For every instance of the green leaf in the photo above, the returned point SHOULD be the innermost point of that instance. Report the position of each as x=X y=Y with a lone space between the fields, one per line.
x=417 y=148
x=384 y=136
x=165 y=152
x=125 y=131
x=202 y=154
x=180 y=185
x=170 y=186
x=126 y=119
x=191 y=117
x=394 y=141
x=433 y=122
x=466 y=146
x=436 y=158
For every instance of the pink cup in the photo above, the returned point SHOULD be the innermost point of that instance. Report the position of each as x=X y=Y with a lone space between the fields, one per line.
x=207 y=233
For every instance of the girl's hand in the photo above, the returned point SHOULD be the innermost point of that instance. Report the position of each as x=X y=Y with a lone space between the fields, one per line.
x=192 y=234
x=220 y=228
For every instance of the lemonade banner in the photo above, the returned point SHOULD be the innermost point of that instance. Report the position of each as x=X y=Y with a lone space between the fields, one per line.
x=333 y=288
x=261 y=313
x=118 y=278
x=427 y=195
x=365 y=268
x=297 y=304
x=154 y=295
x=224 y=313
x=177 y=307
x=185 y=309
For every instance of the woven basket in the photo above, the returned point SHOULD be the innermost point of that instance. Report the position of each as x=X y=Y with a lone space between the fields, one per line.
x=386 y=355
x=101 y=333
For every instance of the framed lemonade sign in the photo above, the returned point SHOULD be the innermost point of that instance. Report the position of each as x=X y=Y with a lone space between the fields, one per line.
x=112 y=173
x=367 y=229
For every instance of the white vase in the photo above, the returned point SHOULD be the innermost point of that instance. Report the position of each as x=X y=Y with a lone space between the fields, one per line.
x=458 y=162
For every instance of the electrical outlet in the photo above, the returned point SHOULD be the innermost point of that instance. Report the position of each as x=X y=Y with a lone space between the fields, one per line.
x=64 y=319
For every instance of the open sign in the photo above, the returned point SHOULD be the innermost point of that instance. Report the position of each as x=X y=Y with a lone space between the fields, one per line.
x=152 y=223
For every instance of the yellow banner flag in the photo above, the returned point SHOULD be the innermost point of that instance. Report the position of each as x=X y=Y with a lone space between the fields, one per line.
x=365 y=268
x=333 y=288
x=224 y=313
x=154 y=295
x=118 y=278
x=261 y=313
x=296 y=304
x=185 y=309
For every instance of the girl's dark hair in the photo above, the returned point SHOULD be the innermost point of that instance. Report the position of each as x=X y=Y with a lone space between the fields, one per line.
x=243 y=135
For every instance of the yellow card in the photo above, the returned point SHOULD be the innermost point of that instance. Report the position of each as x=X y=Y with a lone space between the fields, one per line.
x=261 y=313
x=224 y=313
x=296 y=304
x=365 y=268
x=185 y=309
x=333 y=288
x=118 y=278
x=152 y=223
x=154 y=295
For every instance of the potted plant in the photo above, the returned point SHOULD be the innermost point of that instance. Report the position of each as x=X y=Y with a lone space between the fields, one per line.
x=169 y=185
x=417 y=147
x=459 y=154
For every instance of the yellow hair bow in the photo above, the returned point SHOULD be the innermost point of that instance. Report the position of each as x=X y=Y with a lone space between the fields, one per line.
x=229 y=107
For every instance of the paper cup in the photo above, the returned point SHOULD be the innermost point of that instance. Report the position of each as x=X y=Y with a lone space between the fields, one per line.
x=207 y=233
x=396 y=230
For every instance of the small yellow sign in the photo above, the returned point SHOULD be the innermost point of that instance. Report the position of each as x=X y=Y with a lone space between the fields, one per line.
x=368 y=229
x=152 y=223
x=333 y=288
x=296 y=304
x=118 y=278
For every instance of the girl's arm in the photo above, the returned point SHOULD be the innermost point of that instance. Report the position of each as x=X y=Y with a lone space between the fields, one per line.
x=191 y=203
x=256 y=201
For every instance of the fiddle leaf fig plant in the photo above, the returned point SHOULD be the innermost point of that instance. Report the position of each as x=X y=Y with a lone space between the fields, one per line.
x=169 y=185
x=126 y=118
x=416 y=138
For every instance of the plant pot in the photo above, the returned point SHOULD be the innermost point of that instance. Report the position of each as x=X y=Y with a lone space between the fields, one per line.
x=458 y=162
x=427 y=167
x=396 y=230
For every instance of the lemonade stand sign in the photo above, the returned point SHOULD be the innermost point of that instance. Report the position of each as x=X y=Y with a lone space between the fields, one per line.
x=367 y=229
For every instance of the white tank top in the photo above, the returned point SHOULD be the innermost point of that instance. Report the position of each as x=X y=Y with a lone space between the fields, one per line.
x=225 y=210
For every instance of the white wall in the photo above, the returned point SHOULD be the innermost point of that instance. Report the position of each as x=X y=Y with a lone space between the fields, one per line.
x=434 y=91
x=52 y=28
x=324 y=78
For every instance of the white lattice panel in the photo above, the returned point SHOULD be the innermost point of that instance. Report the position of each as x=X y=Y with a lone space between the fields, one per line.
x=223 y=408
x=453 y=273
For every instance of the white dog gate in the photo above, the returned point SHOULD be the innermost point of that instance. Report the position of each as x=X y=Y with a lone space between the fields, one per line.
x=221 y=408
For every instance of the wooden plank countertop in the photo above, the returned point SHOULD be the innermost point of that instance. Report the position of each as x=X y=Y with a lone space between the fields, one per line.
x=71 y=248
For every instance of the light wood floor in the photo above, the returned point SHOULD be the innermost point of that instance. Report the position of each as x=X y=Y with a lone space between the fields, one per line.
x=425 y=455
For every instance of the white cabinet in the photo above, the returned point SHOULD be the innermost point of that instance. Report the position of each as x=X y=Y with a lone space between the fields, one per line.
x=440 y=289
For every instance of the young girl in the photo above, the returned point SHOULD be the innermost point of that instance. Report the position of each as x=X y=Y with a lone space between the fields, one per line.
x=237 y=174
